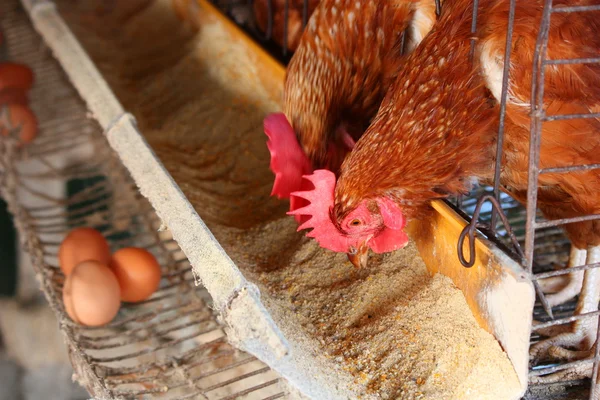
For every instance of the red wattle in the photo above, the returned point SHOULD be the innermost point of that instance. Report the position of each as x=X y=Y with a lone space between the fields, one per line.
x=389 y=240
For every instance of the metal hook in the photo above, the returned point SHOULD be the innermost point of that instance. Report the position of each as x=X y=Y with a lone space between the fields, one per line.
x=469 y=231
x=474 y=225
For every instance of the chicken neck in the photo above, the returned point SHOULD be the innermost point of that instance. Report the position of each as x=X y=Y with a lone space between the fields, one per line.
x=433 y=132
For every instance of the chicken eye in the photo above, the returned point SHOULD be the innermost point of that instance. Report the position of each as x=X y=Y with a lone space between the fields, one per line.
x=355 y=222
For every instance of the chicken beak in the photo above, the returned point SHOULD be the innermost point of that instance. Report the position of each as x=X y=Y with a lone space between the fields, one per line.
x=359 y=257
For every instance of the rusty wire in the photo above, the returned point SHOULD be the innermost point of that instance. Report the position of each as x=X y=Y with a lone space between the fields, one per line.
x=504 y=97
x=469 y=230
x=538 y=117
x=533 y=224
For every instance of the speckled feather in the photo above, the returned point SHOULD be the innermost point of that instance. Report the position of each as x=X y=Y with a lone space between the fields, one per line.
x=569 y=89
x=428 y=135
x=340 y=71
x=437 y=125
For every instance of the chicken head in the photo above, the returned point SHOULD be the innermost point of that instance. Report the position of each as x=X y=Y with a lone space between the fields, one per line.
x=376 y=224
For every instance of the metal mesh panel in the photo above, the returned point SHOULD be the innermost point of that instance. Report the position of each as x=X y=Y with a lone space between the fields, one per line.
x=170 y=346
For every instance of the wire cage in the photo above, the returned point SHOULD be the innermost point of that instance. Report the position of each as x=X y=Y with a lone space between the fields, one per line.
x=538 y=244
x=170 y=346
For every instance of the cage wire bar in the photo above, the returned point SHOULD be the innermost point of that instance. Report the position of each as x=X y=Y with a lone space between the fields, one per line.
x=526 y=236
x=170 y=346
x=538 y=117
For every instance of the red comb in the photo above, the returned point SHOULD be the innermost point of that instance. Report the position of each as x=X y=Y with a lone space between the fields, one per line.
x=321 y=201
x=316 y=215
x=288 y=161
x=312 y=196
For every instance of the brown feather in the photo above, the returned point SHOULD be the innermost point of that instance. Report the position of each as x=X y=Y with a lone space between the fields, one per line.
x=435 y=128
x=569 y=89
x=431 y=131
x=338 y=73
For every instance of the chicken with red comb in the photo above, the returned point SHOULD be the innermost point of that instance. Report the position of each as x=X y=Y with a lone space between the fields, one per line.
x=436 y=130
x=334 y=85
x=382 y=235
x=311 y=199
x=413 y=152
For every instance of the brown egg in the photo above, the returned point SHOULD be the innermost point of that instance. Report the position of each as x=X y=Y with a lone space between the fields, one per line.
x=14 y=75
x=23 y=122
x=82 y=244
x=91 y=294
x=138 y=273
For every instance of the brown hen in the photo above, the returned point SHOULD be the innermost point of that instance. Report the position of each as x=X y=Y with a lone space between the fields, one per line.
x=436 y=128
x=341 y=70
